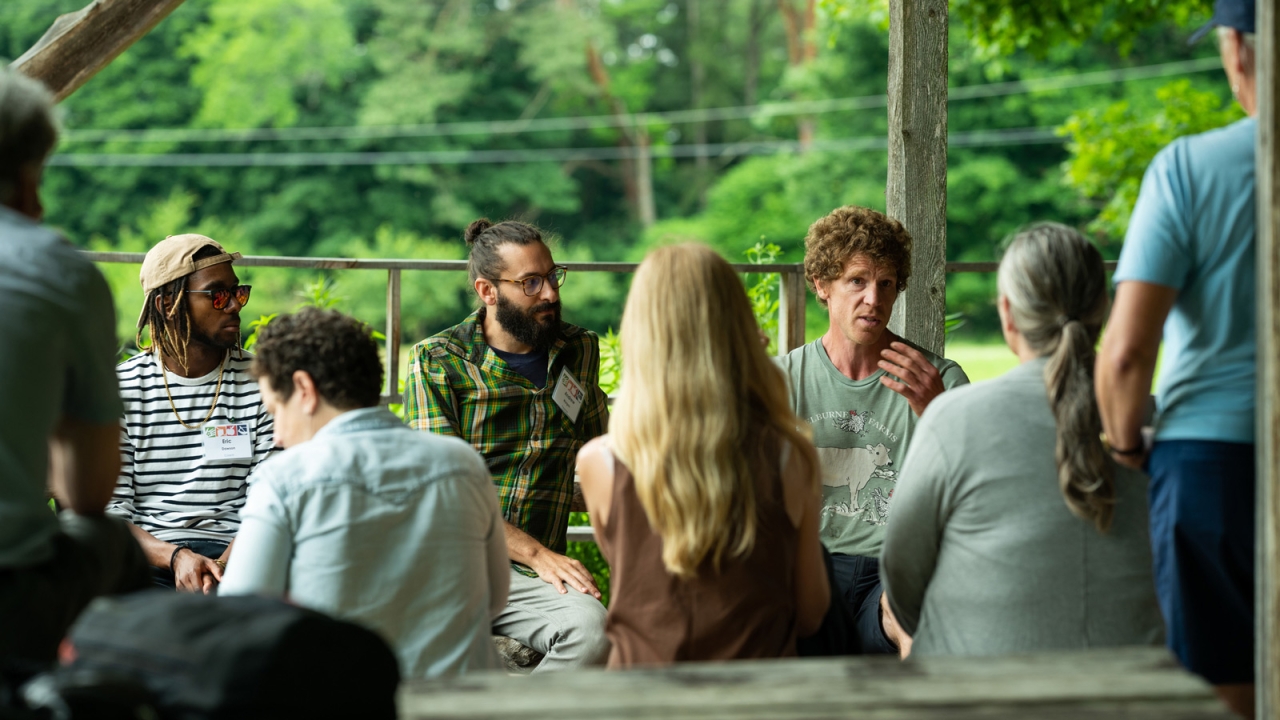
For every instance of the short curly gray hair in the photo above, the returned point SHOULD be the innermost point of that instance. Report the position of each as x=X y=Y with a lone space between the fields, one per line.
x=28 y=130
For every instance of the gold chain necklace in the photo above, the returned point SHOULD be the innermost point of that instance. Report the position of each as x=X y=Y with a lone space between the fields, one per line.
x=217 y=391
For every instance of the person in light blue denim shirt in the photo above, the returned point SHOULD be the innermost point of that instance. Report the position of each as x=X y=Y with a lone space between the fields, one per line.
x=362 y=517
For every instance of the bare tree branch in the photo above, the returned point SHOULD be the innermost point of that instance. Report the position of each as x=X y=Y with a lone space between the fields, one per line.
x=81 y=43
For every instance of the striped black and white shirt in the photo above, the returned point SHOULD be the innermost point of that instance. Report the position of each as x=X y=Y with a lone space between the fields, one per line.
x=167 y=485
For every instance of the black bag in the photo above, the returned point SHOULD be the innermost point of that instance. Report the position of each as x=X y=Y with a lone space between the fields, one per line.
x=206 y=657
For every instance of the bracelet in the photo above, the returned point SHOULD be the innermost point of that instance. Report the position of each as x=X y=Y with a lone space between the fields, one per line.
x=174 y=556
x=1128 y=452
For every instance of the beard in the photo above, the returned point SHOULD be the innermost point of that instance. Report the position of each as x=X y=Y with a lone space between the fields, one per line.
x=198 y=337
x=524 y=325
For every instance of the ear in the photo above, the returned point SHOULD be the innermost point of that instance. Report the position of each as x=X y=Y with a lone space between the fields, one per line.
x=1233 y=55
x=487 y=291
x=819 y=289
x=305 y=388
x=1006 y=314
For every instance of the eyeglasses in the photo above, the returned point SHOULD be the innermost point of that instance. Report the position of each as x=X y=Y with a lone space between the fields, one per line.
x=533 y=285
x=222 y=298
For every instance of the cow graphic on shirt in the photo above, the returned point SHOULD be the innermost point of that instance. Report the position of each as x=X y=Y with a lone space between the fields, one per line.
x=852 y=469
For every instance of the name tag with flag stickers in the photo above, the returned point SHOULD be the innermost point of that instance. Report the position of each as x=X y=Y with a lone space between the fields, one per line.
x=227 y=442
x=569 y=395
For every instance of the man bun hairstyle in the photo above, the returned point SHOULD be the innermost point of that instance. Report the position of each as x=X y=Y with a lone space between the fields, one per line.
x=1056 y=285
x=28 y=130
x=483 y=240
x=851 y=230
x=337 y=351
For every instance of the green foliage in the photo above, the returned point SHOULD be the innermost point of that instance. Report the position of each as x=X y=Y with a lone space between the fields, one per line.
x=1111 y=146
x=255 y=326
x=1006 y=26
x=610 y=362
x=762 y=288
x=257 y=61
x=588 y=553
x=320 y=293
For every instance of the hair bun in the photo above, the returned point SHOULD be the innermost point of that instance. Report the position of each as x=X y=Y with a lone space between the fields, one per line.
x=475 y=229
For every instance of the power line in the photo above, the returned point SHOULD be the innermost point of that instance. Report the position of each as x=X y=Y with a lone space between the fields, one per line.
x=1015 y=136
x=510 y=127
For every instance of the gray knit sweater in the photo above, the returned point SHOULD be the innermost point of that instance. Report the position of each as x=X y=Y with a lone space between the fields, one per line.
x=981 y=555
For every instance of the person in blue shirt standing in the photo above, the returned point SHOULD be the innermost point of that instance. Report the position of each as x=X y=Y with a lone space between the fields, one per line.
x=1186 y=274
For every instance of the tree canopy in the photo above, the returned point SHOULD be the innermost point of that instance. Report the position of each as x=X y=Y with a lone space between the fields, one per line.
x=615 y=124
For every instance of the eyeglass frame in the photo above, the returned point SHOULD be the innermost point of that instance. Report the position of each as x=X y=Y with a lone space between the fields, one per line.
x=555 y=284
x=232 y=292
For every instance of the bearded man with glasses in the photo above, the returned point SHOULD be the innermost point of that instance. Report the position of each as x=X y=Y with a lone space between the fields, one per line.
x=522 y=387
x=194 y=424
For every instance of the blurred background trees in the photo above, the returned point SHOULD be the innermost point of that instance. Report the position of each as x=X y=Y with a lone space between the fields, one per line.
x=380 y=128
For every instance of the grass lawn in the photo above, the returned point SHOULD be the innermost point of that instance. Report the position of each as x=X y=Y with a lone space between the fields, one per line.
x=982 y=360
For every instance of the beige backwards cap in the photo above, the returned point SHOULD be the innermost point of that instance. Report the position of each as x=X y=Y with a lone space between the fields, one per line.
x=171 y=259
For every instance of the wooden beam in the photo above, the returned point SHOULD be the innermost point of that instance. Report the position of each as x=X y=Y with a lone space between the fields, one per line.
x=1267 y=548
x=1128 y=683
x=81 y=43
x=916 y=191
x=791 y=304
x=393 y=332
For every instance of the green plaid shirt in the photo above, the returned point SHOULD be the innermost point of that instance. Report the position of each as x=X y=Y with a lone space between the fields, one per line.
x=458 y=386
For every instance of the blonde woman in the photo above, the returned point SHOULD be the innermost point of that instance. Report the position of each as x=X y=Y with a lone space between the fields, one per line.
x=1012 y=530
x=704 y=496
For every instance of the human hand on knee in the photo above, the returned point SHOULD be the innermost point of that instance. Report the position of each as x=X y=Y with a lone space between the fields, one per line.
x=560 y=570
x=194 y=573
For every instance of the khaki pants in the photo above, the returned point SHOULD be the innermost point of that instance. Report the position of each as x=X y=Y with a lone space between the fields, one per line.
x=567 y=629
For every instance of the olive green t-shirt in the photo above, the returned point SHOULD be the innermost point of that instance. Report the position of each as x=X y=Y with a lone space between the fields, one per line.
x=861 y=429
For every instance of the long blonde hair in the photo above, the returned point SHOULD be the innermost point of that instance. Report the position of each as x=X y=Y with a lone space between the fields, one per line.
x=697 y=387
x=1056 y=285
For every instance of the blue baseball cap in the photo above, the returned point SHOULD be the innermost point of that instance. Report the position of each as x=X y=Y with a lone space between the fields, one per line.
x=1238 y=14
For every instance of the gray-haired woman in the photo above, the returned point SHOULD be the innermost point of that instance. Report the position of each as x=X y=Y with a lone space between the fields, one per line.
x=1012 y=530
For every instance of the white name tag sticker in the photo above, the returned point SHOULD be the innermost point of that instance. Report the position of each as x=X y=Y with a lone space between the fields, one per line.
x=227 y=442
x=568 y=394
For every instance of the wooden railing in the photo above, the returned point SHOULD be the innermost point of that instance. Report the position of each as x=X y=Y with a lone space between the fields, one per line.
x=791 y=305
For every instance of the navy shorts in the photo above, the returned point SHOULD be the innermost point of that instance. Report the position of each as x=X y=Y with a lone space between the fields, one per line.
x=1202 y=539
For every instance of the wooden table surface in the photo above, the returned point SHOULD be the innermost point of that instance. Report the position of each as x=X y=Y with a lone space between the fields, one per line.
x=1117 y=683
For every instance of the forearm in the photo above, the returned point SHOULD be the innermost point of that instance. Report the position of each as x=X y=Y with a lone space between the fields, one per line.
x=521 y=546
x=1127 y=361
x=84 y=462
x=158 y=551
x=1123 y=384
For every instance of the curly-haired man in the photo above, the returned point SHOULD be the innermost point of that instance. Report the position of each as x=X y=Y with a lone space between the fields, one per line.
x=362 y=517
x=862 y=388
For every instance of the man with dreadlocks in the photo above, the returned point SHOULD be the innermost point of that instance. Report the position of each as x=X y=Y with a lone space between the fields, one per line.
x=194 y=424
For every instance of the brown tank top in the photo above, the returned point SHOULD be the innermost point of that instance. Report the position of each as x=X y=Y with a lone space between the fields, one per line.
x=747 y=610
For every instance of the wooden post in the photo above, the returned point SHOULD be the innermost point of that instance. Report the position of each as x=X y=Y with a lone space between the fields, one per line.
x=81 y=43
x=393 y=334
x=916 y=191
x=791 y=302
x=1267 y=548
